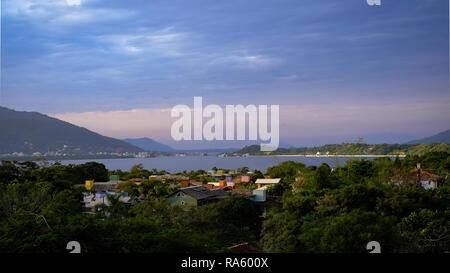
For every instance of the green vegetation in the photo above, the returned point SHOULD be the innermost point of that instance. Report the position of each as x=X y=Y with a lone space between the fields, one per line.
x=341 y=210
x=353 y=149
x=322 y=210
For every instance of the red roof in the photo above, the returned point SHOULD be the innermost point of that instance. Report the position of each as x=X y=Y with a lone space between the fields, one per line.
x=424 y=175
x=135 y=180
x=244 y=248
x=195 y=183
x=208 y=186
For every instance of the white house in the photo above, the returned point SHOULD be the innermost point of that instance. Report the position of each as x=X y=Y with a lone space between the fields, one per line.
x=262 y=182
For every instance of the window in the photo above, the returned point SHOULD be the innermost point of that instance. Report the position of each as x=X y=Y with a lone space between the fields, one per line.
x=182 y=203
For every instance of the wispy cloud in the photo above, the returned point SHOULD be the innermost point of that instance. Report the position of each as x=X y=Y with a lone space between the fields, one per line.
x=165 y=42
x=104 y=55
x=58 y=14
x=244 y=61
x=297 y=122
x=121 y=124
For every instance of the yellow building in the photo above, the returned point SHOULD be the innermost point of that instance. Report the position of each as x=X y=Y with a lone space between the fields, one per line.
x=89 y=184
x=263 y=182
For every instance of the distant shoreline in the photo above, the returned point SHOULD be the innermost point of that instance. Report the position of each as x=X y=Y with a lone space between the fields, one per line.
x=55 y=158
x=312 y=155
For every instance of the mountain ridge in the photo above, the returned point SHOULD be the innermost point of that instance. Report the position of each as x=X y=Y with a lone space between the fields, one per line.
x=33 y=132
x=442 y=137
x=149 y=144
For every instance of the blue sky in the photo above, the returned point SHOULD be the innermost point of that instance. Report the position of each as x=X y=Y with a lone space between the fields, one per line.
x=339 y=69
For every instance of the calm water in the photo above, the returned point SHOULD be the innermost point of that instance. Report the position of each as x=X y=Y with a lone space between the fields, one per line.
x=176 y=164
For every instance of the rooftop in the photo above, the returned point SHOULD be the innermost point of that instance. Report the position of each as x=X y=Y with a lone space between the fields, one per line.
x=424 y=175
x=268 y=180
x=201 y=192
x=100 y=186
x=244 y=248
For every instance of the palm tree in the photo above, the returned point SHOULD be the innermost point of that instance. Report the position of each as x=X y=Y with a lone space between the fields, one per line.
x=116 y=207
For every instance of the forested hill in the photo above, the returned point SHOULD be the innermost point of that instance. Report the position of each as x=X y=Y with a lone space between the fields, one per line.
x=149 y=144
x=443 y=137
x=31 y=132
x=354 y=149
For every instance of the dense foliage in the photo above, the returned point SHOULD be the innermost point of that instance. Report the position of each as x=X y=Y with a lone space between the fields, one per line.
x=323 y=209
x=354 y=149
x=341 y=209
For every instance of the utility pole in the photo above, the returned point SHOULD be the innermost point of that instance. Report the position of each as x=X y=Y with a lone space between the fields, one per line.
x=419 y=174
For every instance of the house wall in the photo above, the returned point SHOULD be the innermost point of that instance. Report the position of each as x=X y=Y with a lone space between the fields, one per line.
x=259 y=195
x=429 y=184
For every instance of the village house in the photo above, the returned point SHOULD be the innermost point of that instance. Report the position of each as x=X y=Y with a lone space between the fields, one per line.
x=427 y=180
x=196 y=196
x=114 y=178
x=265 y=182
x=260 y=197
x=97 y=194
x=245 y=179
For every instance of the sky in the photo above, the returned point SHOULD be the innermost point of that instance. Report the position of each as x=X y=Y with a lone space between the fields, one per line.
x=339 y=69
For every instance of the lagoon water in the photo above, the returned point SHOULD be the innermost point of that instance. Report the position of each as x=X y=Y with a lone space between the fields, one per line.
x=174 y=164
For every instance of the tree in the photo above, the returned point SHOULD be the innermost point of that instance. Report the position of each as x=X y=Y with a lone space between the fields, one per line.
x=129 y=187
x=426 y=231
x=116 y=207
x=278 y=233
x=91 y=171
x=256 y=175
x=231 y=221
x=287 y=170
x=243 y=170
x=158 y=209
x=358 y=196
x=358 y=170
x=348 y=232
x=8 y=171
x=138 y=171
x=278 y=189
x=155 y=188
x=322 y=176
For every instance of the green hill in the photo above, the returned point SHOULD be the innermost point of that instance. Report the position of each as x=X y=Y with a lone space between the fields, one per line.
x=149 y=144
x=354 y=149
x=443 y=137
x=31 y=132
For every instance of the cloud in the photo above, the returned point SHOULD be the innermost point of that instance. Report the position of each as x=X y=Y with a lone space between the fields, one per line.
x=121 y=124
x=58 y=14
x=112 y=54
x=297 y=122
x=73 y=2
x=164 y=42
x=363 y=118
x=245 y=61
x=256 y=61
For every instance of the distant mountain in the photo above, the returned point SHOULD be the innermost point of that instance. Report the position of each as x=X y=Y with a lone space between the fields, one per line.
x=443 y=137
x=31 y=132
x=220 y=146
x=149 y=144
